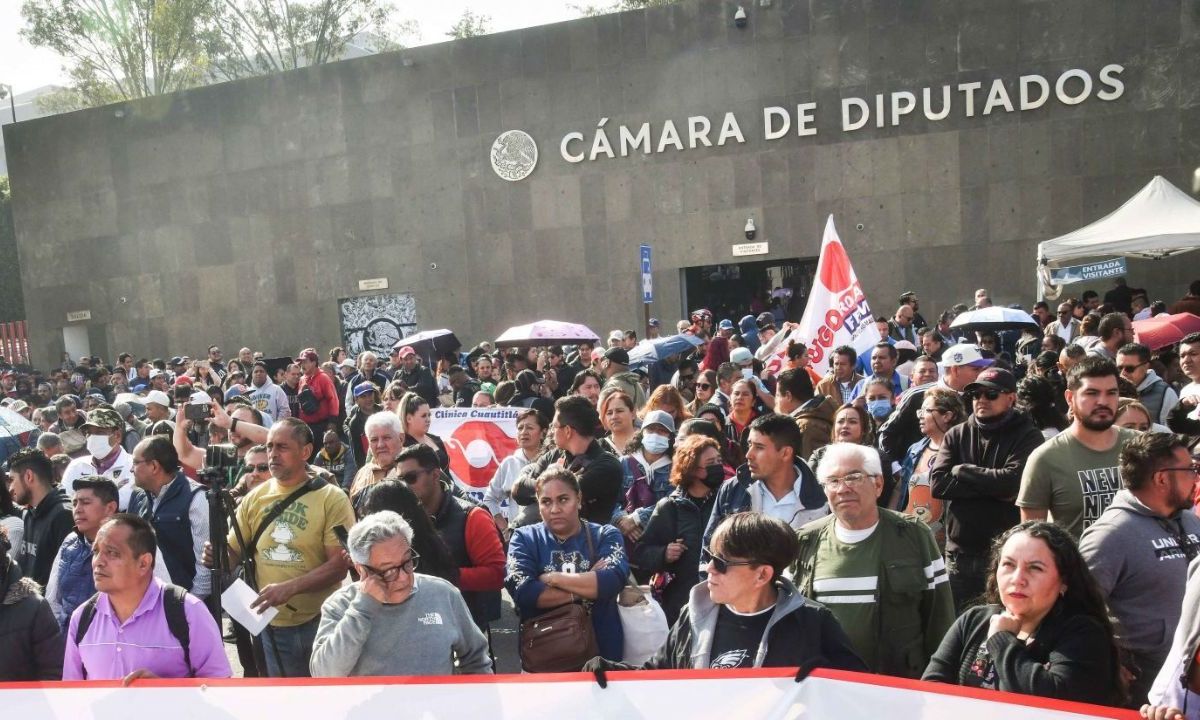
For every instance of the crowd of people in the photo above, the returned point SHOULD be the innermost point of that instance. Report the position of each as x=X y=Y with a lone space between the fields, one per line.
x=1012 y=510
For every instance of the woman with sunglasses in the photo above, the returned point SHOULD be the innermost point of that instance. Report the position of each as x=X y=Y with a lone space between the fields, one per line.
x=381 y=625
x=746 y=613
x=706 y=391
x=564 y=559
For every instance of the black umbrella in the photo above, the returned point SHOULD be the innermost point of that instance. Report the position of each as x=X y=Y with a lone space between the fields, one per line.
x=431 y=344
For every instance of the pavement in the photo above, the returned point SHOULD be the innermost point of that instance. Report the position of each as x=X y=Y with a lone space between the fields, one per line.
x=504 y=641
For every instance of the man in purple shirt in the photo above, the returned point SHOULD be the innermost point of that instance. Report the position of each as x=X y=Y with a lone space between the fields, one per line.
x=129 y=636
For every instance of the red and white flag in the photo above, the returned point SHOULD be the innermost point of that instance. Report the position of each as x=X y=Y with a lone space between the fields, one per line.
x=837 y=312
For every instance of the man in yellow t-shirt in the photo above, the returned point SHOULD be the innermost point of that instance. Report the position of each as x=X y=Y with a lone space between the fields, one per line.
x=299 y=562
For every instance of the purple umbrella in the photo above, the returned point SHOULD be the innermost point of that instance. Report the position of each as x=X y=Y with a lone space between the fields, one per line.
x=546 y=332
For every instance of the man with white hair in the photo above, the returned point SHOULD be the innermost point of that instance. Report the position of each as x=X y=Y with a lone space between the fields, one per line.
x=395 y=621
x=385 y=439
x=878 y=571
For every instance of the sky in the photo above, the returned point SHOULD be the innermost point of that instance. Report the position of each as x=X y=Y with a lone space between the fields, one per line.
x=26 y=68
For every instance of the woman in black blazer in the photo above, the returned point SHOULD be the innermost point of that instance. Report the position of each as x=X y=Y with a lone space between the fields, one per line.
x=1045 y=630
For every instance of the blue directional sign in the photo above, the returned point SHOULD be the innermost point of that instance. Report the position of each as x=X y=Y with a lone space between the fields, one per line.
x=647 y=278
x=1113 y=267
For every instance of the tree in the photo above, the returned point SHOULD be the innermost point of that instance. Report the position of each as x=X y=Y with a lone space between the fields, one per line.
x=619 y=6
x=470 y=25
x=120 y=49
x=253 y=37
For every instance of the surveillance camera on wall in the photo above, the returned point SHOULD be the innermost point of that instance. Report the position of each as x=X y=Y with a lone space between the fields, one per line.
x=739 y=17
x=433 y=266
x=859 y=226
x=751 y=231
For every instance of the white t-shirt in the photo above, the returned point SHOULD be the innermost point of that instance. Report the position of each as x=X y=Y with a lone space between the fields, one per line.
x=120 y=473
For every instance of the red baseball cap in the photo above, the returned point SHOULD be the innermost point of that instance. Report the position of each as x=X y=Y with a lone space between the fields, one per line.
x=308 y=354
x=406 y=351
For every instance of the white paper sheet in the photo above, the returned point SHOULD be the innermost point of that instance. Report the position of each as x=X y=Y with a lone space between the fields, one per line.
x=236 y=601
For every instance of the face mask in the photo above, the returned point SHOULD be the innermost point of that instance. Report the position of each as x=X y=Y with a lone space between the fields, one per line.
x=879 y=408
x=747 y=372
x=714 y=475
x=98 y=446
x=656 y=444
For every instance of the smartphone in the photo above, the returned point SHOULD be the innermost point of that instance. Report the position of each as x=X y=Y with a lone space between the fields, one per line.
x=192 y=411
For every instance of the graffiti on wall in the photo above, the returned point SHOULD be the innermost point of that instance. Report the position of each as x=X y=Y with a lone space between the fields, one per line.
x=376 y=322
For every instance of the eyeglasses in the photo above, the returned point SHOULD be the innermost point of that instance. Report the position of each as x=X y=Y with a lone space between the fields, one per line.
x=389 y=575
x=921 y=412
x=1131 y=368
x=850 y=480
x=261 y=468
x=1194 y=469
x=412 y=476
x=980 y=394
x=721 y=566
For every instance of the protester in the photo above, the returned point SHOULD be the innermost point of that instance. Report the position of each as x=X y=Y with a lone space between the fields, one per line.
x=940 y=411
x=646 y=470
x=852 y=424
x=1139 y=549
x=385 y=438
x=773 y=480
x=131 y=628
x=1158 y=397
x=317 y=396
x=841 y=380
x=398 y=497
x=880 y=574
x=395 y=621
x=415 y=377
x=565 y=559
x=414 y=413
x=12 y=523
x=31 y=646
x=106 y=457
x=1073 y=476
x=746 y=613
x=587 y=383
x=1178 y=683
x=177 y=509
x=71 y=582
x=48 y=514
x=884 y=358
x=1045 y=630
x=1036 y=398
x=298 y=559
x=573 y=432
x=668 y=552
x=1115 y=330
x=466 y=528
x=531 y=436
x=977 y=474
x=814 y=415
x=265 y=396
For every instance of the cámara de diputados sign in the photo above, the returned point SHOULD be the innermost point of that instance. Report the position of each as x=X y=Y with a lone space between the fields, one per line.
x=969 y=99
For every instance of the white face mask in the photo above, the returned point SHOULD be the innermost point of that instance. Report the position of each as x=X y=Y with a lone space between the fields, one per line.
x=656 y=444
x=747 y=372
x=99 y=446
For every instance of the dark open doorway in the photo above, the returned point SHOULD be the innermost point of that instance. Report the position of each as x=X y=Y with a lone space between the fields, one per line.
x=734 y=290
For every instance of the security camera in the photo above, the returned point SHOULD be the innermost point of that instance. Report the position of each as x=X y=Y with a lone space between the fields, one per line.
x=751 y=231
x=433 y=266
x=859 y=226
x=739 y=17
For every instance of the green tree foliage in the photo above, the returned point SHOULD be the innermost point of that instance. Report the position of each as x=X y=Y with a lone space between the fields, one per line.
x=120 y=49
x=619 y=6
x=470 y=25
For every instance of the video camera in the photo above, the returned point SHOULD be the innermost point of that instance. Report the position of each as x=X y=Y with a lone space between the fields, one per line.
x=219 y=462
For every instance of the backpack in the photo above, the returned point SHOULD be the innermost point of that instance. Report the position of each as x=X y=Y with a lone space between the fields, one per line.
x=309 y=404
x=173 y=598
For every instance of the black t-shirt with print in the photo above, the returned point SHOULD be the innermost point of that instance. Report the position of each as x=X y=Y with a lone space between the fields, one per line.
x=737 y=637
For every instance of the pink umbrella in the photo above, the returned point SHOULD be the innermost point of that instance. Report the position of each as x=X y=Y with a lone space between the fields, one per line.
x=546 y=332
x=1163 y=330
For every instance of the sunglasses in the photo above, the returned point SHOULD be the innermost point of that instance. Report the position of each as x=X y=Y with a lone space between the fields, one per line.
x=721 y=566
x=989 y=394
x=389 y=575
x=1129 y=368
x=260 y=468
x=412 y=476
x=704 y=386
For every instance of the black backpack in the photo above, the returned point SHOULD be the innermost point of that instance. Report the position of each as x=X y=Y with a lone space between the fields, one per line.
x=173 y=597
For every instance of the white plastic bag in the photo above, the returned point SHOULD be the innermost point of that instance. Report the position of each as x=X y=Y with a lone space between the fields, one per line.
x=643 y=622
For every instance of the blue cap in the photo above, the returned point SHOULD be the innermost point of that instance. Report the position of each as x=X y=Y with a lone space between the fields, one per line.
x=725 y=324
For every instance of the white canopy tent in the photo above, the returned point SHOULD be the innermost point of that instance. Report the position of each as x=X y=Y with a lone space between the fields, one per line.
x=1159 y=221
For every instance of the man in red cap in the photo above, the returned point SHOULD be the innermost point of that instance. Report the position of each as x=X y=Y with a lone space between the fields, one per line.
x=318 y=398
x=416 y=377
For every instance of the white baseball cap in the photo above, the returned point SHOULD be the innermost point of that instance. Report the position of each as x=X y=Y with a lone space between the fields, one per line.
x=965 y=354
x=158 y=397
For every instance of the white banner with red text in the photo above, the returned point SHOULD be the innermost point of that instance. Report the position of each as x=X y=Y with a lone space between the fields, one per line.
x=477 y=439
x=837 y=312
x=761 y=694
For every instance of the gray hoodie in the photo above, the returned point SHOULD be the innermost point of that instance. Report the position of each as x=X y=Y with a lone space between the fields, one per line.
x=1170 y=687
x=1140 y=560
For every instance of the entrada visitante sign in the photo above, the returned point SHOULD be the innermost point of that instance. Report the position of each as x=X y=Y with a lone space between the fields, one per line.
x=968 y=99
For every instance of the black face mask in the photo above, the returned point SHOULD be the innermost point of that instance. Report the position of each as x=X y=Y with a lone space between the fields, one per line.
x=714 y=475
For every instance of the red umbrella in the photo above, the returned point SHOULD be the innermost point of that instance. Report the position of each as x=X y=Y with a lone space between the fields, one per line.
x=1163 y=330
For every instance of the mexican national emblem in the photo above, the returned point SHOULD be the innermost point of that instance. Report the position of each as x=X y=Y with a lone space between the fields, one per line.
x=514 y=154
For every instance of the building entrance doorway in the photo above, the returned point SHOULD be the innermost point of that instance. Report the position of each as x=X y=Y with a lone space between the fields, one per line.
x=734 y=290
